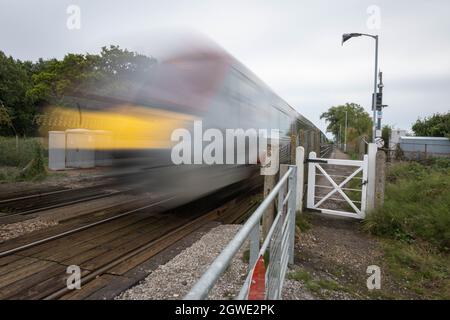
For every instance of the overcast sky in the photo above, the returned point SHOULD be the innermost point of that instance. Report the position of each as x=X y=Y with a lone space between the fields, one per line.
x=293 y=46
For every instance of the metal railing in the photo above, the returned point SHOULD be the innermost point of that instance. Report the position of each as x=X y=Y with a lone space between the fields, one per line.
x=325 y=150
x=279 y=241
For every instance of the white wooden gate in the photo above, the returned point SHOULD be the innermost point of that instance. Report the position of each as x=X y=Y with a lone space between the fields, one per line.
x=330 y=179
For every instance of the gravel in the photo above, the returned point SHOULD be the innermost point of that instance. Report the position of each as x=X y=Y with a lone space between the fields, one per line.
x=174 y=279
x=14 y=230
x=295 y=290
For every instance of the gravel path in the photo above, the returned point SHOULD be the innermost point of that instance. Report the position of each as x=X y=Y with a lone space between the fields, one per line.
x=174 y=279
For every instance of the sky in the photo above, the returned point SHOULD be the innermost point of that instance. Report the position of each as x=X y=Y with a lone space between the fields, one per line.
x=293 y=46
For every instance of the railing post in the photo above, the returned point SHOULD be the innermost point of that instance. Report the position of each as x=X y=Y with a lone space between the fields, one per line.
x=292 y=207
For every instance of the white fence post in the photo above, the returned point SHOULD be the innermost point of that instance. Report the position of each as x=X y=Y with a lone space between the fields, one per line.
x=372 y=153
x=311 y=181
x=299 y=161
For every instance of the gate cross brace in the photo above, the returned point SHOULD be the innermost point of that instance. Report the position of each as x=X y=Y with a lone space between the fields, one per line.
x=337 y=188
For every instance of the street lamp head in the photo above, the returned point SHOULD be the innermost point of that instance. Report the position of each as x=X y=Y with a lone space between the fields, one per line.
x=347 y=36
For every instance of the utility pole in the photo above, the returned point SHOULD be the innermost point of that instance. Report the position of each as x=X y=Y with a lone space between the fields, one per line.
x=376 y=133
x=380 y=104
x=345 y=133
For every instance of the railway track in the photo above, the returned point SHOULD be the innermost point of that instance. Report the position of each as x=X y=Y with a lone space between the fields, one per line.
x=37 y=199
x=28 y=204
x=106 y=250
x=23 y=207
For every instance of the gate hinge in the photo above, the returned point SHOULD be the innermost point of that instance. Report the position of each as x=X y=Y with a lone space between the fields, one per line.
x=316 y=160
x=364 y=182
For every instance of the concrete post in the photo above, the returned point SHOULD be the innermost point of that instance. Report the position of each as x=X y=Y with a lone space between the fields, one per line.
x=292 y=148
x=269 y=184
x=292 y=183
x=371 y=177
x=302 y=138
x=283 y=169
x=380 y=178
x=361 y=148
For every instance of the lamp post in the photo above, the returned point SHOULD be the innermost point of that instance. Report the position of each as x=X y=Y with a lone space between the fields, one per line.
x=345 y=133
x=347 y=36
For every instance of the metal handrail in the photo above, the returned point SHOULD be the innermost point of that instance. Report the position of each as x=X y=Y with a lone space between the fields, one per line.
x=210 y=277
x=264 y=247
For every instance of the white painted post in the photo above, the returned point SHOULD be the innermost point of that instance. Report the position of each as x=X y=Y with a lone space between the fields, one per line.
x=311 y=181
x=299 y=161
x=372 y=153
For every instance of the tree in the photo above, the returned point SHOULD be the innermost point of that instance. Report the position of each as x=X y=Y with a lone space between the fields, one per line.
x=386 y=134
x=17 y=109
x=438 y=125
x=358 y=120
x=86 y=72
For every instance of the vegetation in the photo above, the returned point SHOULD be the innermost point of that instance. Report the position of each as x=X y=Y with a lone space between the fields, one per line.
x=417 y=204
x=25 y=87
x=22 y=159
x=414 y=224
x=16 y=107
x=386 y=134
x=438 y=125
x=358 y=121
x=315 y=285
x=418 y=268
x=303 y=222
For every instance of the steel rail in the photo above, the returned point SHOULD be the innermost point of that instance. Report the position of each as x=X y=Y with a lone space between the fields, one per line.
x=36 y=195
x=63 y=204
x=81 y=228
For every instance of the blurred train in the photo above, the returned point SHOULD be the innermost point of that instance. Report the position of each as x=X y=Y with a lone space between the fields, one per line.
x=141 y=108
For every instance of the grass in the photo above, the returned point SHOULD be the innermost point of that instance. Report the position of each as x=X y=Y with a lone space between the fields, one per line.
x=303 y=221
x=246 y=257
x=417 y=205
x=354 y=156
x=22 y=162
x=419 y=268
x=414 y=225
x=314 y=285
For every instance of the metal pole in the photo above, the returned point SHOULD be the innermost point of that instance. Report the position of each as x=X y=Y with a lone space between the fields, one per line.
x=345 y=133
x=374 y=101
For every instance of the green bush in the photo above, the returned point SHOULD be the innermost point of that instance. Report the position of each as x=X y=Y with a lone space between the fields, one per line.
x=417 y=204
x=24 y=161
x=17 y=156
x=35 y=169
